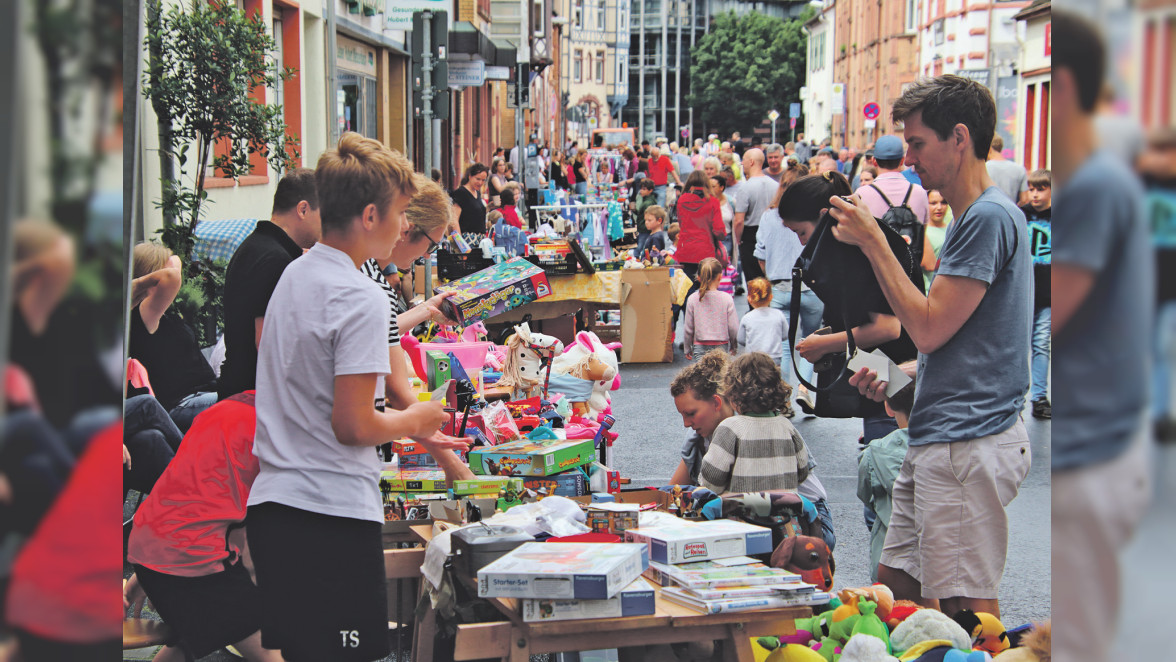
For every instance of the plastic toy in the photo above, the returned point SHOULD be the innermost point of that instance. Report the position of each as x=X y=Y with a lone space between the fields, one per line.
x=940 y=651
x=788 y=652
x=928 y=625
x=590 y=359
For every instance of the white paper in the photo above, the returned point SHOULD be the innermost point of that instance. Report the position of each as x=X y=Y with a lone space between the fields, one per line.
x=734 y=561
x=881 y=364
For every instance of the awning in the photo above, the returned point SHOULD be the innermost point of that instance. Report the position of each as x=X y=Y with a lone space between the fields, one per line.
x=464 y=37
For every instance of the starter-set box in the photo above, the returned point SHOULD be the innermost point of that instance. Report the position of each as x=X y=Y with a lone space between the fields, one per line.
x=684 y=541
x=581 y=571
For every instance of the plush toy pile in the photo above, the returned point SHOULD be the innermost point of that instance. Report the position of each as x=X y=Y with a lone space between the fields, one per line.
x=869 y=625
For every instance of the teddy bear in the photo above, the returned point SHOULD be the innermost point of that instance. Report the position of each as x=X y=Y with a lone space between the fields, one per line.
x=1035 y=646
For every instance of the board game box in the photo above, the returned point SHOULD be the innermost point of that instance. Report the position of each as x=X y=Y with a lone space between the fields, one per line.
x=684 y=541
x=413 y=479
x=486 y=485
x=567 y=484
x=582 y=571
x=636 y=599
x=532 y=457
x=711 y=575
x=494 y=290
x=411 y=454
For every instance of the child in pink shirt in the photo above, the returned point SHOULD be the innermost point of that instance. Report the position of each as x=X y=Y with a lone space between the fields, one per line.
x=710 y=314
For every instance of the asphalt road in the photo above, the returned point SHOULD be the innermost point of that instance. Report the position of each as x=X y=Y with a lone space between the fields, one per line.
x=651 y=435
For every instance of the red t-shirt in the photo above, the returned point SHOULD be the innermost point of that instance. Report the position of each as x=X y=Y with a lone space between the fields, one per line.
x=510 y=214
x=181 y=528
x=659 y=170
x=66 y=582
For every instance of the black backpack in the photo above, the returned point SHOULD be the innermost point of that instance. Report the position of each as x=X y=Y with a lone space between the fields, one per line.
x=902 y=220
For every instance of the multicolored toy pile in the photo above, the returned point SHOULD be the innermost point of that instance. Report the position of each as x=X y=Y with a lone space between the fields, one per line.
x=869 y=625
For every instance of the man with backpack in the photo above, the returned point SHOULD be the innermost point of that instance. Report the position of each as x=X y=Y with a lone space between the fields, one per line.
x=892 y=194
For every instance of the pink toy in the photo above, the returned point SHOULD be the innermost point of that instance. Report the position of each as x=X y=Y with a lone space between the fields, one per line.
x=589 y=358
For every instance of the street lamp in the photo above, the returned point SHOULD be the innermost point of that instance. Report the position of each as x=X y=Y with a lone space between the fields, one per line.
x=773 y=115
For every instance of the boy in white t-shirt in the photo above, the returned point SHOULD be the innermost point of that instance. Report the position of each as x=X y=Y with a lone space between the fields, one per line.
x=315 y=512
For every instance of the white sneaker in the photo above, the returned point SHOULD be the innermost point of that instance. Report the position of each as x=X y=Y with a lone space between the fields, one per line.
x=805 y=400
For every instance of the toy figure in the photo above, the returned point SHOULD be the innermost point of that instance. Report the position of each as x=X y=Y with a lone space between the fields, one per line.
x=528 y=356
x=987 y=632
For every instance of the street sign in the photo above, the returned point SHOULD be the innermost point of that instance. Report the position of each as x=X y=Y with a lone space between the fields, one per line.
x=794 y=110
x=439 y=37
x=871 y=124
x=773 y=115
x=871 y=111
x=471 y=73
x=497 y=73
x=791 y=122
x=838 y=99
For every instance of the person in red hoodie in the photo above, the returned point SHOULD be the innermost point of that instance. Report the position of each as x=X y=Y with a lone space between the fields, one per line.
x=700 y=223
x=187 y=543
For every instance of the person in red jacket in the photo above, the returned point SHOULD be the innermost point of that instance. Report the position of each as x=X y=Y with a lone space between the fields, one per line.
x=187 y=544
x=700 y=226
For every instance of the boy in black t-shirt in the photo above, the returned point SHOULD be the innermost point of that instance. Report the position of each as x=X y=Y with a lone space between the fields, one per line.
x=1037 y=215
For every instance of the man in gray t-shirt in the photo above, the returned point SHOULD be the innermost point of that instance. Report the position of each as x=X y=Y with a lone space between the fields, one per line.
x=754 y=196
x=969 y=450
x=1009 y=177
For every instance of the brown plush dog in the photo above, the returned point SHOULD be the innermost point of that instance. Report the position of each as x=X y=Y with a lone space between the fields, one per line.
x=807 y=556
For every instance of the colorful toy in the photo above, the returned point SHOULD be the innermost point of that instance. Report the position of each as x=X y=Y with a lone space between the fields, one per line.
x=940 y=651
x=590 y=359
x=869 y=623
x=880 y=594
x=791 y=653
x=494 y=290
x=529 y=355
x=864 y=648
x=987 y=632
x=900 y=612
x=928 y=625
x=1035 y=646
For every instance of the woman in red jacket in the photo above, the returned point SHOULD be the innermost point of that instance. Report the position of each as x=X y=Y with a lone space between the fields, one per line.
x=700 y=222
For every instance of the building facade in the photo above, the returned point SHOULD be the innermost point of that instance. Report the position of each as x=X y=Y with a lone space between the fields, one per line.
x=1033 y=150
x=877 y=53
x=817 y=96
x=594 y=74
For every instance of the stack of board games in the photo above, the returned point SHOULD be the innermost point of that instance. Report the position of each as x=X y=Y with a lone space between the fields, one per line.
x=636 y=599
x=532 y=457
x=684 y=541
x=733 y=584
x=569 y=571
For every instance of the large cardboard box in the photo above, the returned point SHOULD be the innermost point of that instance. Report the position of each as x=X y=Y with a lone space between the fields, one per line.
x=584 y=571
x=646 y=316
x=418 y=278
x=684 y=541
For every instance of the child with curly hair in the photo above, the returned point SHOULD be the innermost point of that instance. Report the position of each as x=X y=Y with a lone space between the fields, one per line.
x=757 y=448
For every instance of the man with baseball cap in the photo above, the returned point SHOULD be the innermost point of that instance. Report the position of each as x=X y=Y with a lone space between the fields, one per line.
x=888 y=153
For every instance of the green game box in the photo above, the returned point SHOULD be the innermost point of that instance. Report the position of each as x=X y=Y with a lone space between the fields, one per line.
x=527 y=457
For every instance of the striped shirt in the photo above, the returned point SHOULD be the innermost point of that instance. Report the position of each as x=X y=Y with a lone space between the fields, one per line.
x=371 y=269
x=754 y=453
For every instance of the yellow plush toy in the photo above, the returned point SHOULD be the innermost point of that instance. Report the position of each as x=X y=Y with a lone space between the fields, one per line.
x=794 y=653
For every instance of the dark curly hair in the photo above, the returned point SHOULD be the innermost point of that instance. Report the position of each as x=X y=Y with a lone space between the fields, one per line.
x=753 y=385
x=704 y=379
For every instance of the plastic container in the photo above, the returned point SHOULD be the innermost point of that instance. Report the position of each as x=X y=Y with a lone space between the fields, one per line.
x=565 y=266
x=451 y=266
x=471 y=355
x=475 y=547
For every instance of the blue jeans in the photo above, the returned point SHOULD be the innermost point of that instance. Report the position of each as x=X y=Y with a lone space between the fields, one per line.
x=811 y=310
x=659 y=192
x=581 y=188
x=826 y=523
x=152 y=439
x=1165 y=361
x=1039 y=367
x=189 y=407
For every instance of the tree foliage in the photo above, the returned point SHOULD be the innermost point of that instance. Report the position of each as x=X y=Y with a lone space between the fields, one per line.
x=205 y=64
x=744 y=67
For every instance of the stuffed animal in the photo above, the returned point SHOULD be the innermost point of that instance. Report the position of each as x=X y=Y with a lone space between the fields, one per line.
x=589 y=359
x=527 y=356
x=1035 y=646
x=987 y=632
x=808 y=557
x=828 y=648
x=880 y=594
x=941 y=651
x=810 y=629
x=794 y=653
x=900 y=612
x=928 y=625
x=869 y=623
x=864 y=648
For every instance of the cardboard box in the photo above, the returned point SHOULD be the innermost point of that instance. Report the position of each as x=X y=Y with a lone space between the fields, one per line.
x=418 y=278
x=636 y=599
x=646 y=316
x=568 y=484
x=410 y=454
x=584 y=571
x=486 y=485
x=413 y=479
x=701 y=541
x=495 y=290
x=614 y=518
x=532 y=457
x=639 y=497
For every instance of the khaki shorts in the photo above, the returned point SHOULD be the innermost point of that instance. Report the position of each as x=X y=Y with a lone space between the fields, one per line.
x=949 y=529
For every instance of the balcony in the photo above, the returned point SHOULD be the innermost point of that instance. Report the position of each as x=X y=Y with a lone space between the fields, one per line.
x=651 y=62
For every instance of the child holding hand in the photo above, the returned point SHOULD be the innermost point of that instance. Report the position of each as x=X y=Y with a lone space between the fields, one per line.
x=756 y=449
x=711 y=321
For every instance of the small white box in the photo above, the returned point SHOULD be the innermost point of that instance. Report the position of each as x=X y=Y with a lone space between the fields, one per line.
x=684 y=541
x=584 y=571
x=636 y=599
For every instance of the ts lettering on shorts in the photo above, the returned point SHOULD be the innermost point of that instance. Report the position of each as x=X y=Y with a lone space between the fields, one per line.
x=350 y=638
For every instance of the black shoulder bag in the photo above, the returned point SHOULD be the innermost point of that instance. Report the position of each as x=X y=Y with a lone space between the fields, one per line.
x=830 y=268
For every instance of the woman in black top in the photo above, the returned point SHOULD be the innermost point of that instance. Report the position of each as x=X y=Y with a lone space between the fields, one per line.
x=580 y=171
x=497 y=182
x=468 y=207
x=874 y=324
x=181 y=377
x=559 y=171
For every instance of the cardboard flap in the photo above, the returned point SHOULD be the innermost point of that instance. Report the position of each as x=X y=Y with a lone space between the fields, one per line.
x=646 y=316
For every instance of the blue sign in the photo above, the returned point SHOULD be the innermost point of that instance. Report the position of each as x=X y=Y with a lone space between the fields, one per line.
x=794 y=110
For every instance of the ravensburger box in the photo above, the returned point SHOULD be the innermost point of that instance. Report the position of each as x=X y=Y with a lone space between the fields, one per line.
x=684 y=541
x=636 y=599
x=582 y=571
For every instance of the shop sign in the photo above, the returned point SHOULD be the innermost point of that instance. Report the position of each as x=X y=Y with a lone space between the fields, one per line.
x=355 y=55
x=471 y=73
x=398 y=13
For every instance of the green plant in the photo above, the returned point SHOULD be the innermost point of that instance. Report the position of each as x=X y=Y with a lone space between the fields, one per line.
x=206 y=63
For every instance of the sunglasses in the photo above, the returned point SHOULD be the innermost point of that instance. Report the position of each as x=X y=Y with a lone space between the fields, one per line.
x=433 y=246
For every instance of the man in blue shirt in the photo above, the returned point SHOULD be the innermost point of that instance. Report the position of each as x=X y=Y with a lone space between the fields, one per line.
x=1102 y=309
x=969 y=450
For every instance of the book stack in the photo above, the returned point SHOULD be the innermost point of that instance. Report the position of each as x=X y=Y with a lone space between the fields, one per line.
x=732 y=584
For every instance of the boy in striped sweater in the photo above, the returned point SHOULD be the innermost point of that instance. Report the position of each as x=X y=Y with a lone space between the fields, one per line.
x=758 y=448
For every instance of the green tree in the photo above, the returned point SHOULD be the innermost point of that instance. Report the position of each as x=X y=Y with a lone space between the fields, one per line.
x=204 y=65
x=746 y=66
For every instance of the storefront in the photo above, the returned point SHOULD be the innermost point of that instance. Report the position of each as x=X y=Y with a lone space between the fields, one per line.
x=356 y=87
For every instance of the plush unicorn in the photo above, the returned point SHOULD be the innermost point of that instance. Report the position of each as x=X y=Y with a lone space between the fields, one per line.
x=528 y=355
x=589 y=359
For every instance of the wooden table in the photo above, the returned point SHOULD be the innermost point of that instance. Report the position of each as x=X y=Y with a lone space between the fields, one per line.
x=513 y=640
